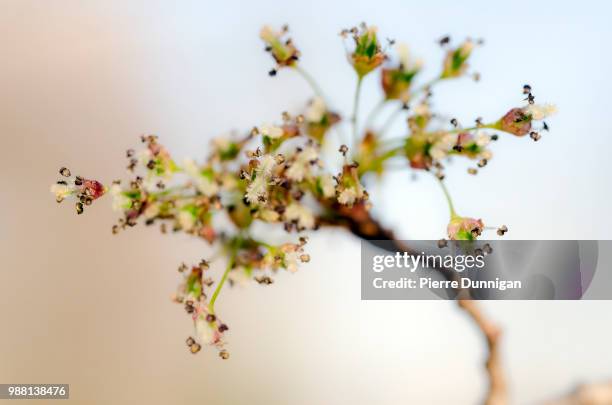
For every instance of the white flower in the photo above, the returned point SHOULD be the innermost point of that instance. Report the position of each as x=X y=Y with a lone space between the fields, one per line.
x=120 y=201
x=239 y=276
x=437 y=153
x=328 y=186
x=403 y=54
x=540 y=111
x=421 y=109
x=302 y=215
x=205 y=332
x=62 y=191
x=266 y=165
x=268 y=34
x=291 y=261
x=144 y=156
x=486 y=154
x=347 y=196
x=186 y=220
x=151 y=211
x=222 y=143
x=258 y=188
x=441 y=148
x=271 y=131
x=204 y=184
x=482 y=140
x=268 y=215
x=150 y=184
x=467 y=47
x=300 y=167
x=316 y=110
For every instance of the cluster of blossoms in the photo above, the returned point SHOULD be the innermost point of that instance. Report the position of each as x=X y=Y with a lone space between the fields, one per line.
x=278 y=173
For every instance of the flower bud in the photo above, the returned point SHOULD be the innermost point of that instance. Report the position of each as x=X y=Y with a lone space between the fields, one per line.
x=455 y=63
x=319 y=119
x=396 y=81
x=416 y=152
x=464 y=228
x=282 y=50
x=515 y=122
x=368 y=54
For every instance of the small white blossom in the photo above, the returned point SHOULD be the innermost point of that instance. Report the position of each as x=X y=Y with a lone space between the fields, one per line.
x=268 y=215
x=299 y=213
x=205 y=332
x=540 y=111
x=403 y=54
x=291 y=260
x=421 y=109
x=486 y=154
x=268 y=34
x=327 y=185
x=120 y=201
x=482 y=140
x=222 y=143
x=239 y=276
x=271 y=131
x=301 y=166
x=266 y=165
x=440 y=149
x=144 y=156
x=150 y=184
x=316 y=110
x=186 y=220
x=258 y=188
x=151 y=211
x=62 y=191
x=204 y=185
x=348 y=196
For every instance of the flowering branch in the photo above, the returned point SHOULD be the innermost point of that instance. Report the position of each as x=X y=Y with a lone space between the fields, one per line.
x=278 y=174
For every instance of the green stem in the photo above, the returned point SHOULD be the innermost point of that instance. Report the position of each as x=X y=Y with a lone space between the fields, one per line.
x=458 y=130
x=449 y=200
x=372 y=115
x=311 y=81
x=318 y=92
x=356 y=108
x=211 y=305
x=390 y=121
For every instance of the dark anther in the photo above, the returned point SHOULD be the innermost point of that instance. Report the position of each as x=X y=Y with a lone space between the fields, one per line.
x=526 y=89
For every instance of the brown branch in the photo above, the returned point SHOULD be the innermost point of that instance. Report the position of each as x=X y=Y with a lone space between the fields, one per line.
x=361 y=224
x=591 y=394
x=498 y=390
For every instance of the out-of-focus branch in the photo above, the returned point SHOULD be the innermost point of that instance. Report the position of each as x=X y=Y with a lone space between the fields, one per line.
x=498 y=390
x=589 y=394
x=361 y=224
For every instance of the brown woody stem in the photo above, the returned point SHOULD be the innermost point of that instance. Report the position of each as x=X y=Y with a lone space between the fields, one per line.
x=360 y=223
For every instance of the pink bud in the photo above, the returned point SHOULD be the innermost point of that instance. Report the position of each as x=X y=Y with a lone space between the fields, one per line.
x=516 y=122
x=93 y=188
x=464 y=228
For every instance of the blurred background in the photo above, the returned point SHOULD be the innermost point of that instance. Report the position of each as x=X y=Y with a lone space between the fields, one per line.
x=81 y=80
